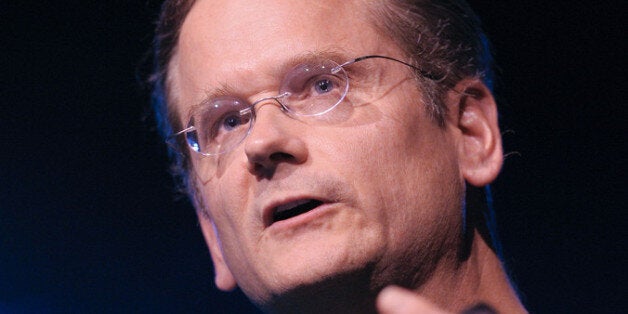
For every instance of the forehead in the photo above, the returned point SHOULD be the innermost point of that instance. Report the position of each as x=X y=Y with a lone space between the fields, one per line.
x=238 y=27
x=228 y=41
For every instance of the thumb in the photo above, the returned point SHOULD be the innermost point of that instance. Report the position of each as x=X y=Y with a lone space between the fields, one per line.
x=396 y=300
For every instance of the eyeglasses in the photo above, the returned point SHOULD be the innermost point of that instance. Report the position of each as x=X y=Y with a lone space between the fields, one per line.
x=310 y=89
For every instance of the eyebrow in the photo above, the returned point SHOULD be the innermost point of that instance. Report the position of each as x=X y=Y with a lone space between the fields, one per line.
x=335 y=55
x=226 y=89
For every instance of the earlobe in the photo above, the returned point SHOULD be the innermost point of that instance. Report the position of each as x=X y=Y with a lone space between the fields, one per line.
x=224 y=279
x=480 y=152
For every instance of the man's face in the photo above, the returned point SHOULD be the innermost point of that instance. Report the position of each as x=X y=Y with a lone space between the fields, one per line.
x=385 y=177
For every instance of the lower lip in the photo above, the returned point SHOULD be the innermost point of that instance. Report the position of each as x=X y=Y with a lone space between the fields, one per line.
x=304 y=219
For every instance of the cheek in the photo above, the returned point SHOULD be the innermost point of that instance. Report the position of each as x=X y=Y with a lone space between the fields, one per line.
x=402 y=161
x=226 y=197
x=227 y=206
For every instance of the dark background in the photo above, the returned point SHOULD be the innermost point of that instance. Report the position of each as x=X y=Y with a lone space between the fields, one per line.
x=89 y=221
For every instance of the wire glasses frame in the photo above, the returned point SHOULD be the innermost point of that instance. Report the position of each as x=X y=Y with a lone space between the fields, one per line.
x=220 y=125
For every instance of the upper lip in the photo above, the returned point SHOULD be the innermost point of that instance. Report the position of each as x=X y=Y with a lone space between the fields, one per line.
x=290 y=193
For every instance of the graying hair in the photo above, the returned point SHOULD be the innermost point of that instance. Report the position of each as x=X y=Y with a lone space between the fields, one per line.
x=441 y=37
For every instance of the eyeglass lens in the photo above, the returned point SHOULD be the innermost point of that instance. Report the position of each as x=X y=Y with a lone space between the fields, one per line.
x=306 y=90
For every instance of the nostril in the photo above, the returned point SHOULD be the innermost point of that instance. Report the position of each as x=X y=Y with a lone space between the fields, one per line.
x=281 y=156
x=265 y=167
x=262 y=170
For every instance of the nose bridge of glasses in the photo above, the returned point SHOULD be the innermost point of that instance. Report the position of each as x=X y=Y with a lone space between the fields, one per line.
x=271 y=100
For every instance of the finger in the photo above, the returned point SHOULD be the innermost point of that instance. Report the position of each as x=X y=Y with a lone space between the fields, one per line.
x=396 y=300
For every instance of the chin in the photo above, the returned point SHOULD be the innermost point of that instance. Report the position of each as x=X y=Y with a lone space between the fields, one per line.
x=335 y=277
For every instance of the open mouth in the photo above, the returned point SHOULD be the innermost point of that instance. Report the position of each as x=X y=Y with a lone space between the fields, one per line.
x=295 y=208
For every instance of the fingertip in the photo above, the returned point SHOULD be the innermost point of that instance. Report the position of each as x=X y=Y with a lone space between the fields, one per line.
x=396 y=300
x=386 y=299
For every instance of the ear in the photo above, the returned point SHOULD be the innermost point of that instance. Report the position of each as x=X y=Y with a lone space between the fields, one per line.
x=224 y=279
x=480 y=151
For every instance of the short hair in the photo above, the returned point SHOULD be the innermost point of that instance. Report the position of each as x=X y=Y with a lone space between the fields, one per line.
x=443 y=37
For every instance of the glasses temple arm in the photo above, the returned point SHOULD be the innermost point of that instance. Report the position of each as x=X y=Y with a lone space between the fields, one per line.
x=186 y=130
x=421 y=71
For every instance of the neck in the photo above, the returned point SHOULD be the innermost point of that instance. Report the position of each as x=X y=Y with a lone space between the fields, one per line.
x=480 y=278
x=454 y=286
x=344 y=293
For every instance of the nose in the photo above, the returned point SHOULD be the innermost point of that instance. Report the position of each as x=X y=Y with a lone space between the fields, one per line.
x=275 y=139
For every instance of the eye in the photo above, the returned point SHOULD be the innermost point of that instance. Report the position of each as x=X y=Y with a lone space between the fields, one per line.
x=231 y=122
x=314 y=88
x=312 y=79
x=221 y=118
x=323 y=86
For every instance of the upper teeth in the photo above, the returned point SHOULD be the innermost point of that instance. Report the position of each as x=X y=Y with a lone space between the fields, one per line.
x=290 y=205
